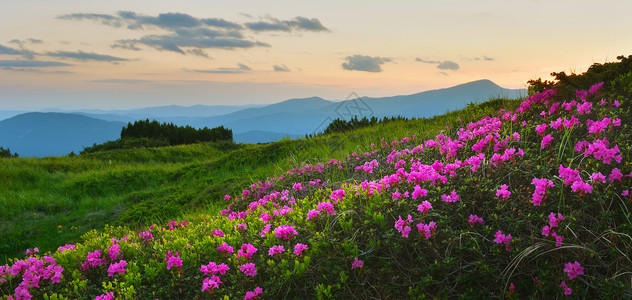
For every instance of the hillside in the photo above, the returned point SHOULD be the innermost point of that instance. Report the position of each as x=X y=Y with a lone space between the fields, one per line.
x=50 y=134
x=505 y=199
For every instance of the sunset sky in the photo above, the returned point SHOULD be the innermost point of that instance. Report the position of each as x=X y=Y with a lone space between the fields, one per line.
x=120 y=54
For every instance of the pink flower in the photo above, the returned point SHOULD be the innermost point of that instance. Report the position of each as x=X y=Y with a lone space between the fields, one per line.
x=595 y=88
x=299 y=248
x=401 y=226
x=357 y=264
x=475 y=219
x=424 y=207
x=213 y=268
x=211 y=283
x=249 y=269
x=337 y=195
x=503 y=192
x=114 y=252
x=285 y=232
x=253 y=295
x=558 y=239
x=297 y=186
x=313 y=213
x=546 y=141
x=66 y=247
x=146 y=235
x=93 y=260
x=540 y=128
x=567 y=290
x=503 y=239
x=117 y=268
x=327 y=208
x=276 y=250
x=173 y=260
x=453 y=197
x=427 y=229
x=573 y=270
x=597 y=176
x=615 y=174
x=225 y=248
x=108 y=296
x=419 y=192
x=247 y=250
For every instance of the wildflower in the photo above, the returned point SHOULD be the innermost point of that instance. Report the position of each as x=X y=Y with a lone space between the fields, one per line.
x=107 y=296
x=214 y=268
x=299 y=248
x=540 y=128
x=475 y=219
x=615 y=174
x=93 y=260
x=419 y=192
x=253 y=295
x=357 y=264
x=337 y=195
x=313 y=213
x=427 y=229
x=146 y=235
x=503 y=192
x=595 y=88
x=276 y=250
x=117 y=268
x=453 y=197
x=297 y=186
x=249 y=269
x=114 y=252
x=597 y=176
x=247 y=250
x=503 y=239
x=401 y=226
x=424 y=207
x=225 y=248
x=546 y=141
x=242 y=226
x=327 y=208
x=285 y=232
x=558 y=239
x=567 y=290
x=66 y=247
x=573 y=270
x=173 y=260
x=211 y=283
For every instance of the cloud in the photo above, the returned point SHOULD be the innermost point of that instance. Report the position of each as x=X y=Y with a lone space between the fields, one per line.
x=241 y=68
x=442 y=65
x=427 y=61
x=121 y=81
x=103 y=18
x=12 y=51
x=296 y=24
x=84 y=56
x=484 y=58
x=31 y=64
x=281 y=68
x=198 y=52
x=365 y=63
x=189 y=35
x=448 y=65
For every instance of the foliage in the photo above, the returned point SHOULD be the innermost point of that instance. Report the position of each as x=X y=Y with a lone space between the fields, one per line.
x=145 y=134
x=340 y=125
x=6 y=153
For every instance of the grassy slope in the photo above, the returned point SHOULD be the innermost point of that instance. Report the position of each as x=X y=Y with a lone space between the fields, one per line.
x=47 y=202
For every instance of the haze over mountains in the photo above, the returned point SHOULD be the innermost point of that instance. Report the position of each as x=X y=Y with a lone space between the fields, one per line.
x=59 y=133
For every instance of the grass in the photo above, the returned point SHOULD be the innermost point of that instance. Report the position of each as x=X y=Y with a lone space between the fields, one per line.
x=47 y=202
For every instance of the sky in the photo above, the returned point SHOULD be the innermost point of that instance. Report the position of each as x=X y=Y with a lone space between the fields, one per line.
x=121 y=54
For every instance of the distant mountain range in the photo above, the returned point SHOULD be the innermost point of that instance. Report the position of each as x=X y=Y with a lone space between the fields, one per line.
x=59 y=133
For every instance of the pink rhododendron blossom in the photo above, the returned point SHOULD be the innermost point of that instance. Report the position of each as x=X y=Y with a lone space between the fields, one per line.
x=118 y=267
x=66 y=247
x=277 y=249
x=327 y=208
x=567 y=291
x=214 y=268
x=211 y=283
x=173 y=260
x=595 y=88
x=313 y=213
x=503 y=192
x=337 y=195
x=249 y=269
x=427 y=229
x=106 y=296
x=546 y=141
x=501 y=238
x=247 y=250
x=597 y=177
x=357 y=264
x=254 y=294
x=92 y=260
x=615 y=174
x=285 y=232
x=419 y=192
x=573 y=270
x=114 y=252
x=299 y=248
x=402 y=227
x=453 y=197
x=541 y=128
x=225 y=248
x=424 y=207
x=475 y=219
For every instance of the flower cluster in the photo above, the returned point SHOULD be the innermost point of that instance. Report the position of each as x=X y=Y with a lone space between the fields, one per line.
x=501 y=238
